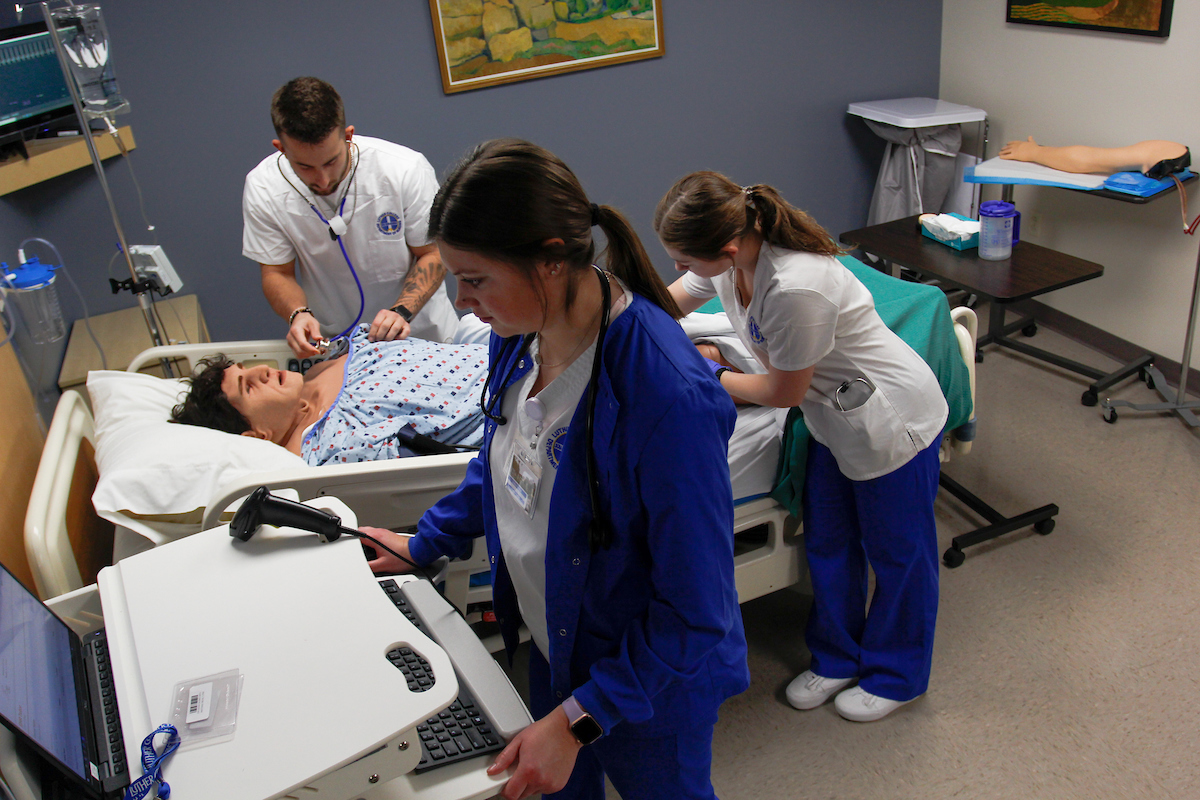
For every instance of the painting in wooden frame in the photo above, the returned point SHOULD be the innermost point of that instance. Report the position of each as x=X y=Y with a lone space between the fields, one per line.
x=1141 y=17
x=489 y=42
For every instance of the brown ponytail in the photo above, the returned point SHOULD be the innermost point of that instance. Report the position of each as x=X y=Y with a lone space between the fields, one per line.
x=507 y=198
x=704 y=211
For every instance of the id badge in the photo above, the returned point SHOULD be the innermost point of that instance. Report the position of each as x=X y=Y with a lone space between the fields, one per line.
x=524 y=475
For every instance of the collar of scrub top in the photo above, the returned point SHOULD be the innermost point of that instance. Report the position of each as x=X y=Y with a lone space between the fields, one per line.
x=338 y=225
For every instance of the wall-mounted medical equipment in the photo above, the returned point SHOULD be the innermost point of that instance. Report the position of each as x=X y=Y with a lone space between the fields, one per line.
x=30 y=288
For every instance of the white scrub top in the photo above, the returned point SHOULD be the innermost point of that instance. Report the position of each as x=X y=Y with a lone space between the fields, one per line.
x=809 y=310
x=387 y=209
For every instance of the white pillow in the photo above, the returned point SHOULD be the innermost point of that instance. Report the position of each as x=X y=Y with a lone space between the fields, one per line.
x=159 y=471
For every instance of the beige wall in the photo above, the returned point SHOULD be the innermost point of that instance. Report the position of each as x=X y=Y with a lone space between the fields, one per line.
x=1084 y=87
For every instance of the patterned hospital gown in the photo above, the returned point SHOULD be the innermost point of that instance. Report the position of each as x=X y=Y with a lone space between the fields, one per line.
x=430 y=386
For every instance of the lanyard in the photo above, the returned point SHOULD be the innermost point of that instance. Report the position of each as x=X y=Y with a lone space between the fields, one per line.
x=152 y=765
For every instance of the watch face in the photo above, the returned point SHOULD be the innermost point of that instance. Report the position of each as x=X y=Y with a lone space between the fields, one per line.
x=586 y=729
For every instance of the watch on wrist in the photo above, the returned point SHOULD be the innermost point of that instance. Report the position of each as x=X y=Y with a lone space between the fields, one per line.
x=402 y=311
x=584 y=727
x=720 y=372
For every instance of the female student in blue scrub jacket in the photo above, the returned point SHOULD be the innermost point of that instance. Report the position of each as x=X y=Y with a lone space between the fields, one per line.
x=873 y=407
x=608 y=519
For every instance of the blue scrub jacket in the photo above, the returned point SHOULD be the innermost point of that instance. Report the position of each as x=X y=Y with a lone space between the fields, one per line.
x=648 y=631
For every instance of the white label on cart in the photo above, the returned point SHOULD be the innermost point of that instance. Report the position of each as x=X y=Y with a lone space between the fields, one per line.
x=199 y=702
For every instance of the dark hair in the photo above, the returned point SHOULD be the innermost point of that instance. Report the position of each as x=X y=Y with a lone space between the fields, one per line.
x=704 y=211
x=507 y=197
x=205 y=404
x=307 y=110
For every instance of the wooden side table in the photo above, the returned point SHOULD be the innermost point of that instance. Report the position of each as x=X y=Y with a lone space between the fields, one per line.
x=123 y=335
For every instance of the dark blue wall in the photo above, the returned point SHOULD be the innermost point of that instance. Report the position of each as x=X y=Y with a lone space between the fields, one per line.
x=755 y=89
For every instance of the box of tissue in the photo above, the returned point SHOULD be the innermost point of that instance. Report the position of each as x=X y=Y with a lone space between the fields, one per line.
x=952 y=230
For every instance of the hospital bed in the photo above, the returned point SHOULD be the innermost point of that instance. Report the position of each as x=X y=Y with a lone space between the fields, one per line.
x=768 y=546
x=386 y=493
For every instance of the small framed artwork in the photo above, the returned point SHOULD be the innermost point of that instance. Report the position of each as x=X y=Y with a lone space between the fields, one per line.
x=1141 y=17
x=489 y=42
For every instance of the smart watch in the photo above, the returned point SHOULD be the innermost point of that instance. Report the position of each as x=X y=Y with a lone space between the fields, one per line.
x=402 y=311
x=584 y=728
x=720 y=372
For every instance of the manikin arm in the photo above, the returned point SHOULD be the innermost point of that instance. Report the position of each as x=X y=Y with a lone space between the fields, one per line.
x=1139 y=157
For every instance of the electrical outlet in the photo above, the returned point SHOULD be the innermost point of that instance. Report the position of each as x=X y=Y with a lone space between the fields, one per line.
x=151 y=264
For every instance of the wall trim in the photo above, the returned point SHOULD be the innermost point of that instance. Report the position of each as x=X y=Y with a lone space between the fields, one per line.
x=1104 y=342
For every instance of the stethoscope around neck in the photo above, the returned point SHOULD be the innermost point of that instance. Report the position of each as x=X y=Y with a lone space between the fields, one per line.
x=600 y=532
x=337 y=228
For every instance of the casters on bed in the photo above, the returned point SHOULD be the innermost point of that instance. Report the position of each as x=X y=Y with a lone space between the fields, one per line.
x=1089 y=398
x=978 y=357
x=1148 y=378
x=1044 y=527
x=1110 y=415
x=1030 y=329
x=953 y=557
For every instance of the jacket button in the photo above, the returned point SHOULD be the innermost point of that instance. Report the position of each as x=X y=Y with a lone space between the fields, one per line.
x=576 y=562
x=562 y=631
x=493 y=559
x=559 y=694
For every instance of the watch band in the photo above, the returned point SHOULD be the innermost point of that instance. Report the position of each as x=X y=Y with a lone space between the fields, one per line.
x=298 y=312
x=584 y=727
x=720 y=372
x=402 y=311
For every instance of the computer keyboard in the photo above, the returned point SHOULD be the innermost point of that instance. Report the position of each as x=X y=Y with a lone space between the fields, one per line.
x=109 y=740
x=461 y=731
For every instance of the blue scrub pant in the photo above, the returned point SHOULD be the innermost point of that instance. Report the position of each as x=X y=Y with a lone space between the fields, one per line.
x=889 y=522
x=641 y=767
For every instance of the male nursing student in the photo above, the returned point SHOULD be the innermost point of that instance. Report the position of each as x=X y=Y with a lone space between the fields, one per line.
x=328 y=200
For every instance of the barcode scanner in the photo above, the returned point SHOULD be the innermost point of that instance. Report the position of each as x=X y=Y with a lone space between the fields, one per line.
x=264 y=508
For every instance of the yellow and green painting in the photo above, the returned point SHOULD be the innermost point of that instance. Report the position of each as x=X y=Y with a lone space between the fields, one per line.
x=1145 y=17
x=486 y=42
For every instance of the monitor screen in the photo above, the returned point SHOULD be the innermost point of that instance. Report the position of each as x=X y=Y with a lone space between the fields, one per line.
x=37 y=676
x=32 y=89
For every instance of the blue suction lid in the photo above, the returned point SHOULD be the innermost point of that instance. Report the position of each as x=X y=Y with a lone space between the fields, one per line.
x=33 y=274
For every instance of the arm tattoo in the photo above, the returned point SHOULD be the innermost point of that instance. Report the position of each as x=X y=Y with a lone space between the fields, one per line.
x=422 y=280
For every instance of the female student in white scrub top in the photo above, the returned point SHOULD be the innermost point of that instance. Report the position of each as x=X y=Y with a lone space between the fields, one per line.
x=873 y=407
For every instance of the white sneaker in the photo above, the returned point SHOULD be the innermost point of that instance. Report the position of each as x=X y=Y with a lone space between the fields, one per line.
x=809 y=690
x=859 y=705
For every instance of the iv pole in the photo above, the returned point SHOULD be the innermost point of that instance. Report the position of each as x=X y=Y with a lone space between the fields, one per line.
x=142 y=294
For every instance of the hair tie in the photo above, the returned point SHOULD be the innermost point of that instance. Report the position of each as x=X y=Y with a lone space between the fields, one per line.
x=749 y=192
x=595 y=214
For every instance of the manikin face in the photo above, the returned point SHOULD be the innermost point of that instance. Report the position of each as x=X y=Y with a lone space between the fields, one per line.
x=498 y=293
x=268 y=398
x=698 y=266
x=321 y=166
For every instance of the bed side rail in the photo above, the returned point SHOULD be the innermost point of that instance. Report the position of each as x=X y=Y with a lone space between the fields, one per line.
x=272 y=351
x=47 y=544
x=966 y=328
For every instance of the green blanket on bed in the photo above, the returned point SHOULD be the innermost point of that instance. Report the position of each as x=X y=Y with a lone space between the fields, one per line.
x=921 y=316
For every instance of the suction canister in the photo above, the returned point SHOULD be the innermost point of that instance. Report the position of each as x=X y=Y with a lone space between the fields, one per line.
x=30 y=288
x=999 y=230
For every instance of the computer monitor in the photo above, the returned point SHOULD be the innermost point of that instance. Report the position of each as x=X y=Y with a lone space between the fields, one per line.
x=34 y=97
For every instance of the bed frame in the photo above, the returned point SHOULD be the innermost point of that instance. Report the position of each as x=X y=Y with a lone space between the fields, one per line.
x=768 y=544
x=384 y=493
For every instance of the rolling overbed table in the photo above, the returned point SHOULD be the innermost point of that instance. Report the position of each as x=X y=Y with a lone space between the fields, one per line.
x=1030 y=271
